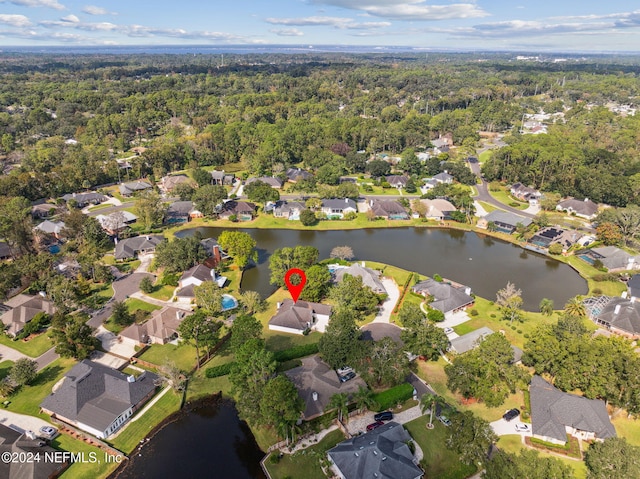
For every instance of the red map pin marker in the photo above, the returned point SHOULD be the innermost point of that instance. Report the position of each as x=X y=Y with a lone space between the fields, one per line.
x=295 y=289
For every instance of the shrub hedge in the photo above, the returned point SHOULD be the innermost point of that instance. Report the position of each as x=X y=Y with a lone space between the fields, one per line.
x=395 y=395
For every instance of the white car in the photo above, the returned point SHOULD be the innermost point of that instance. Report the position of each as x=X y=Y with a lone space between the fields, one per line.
x=522 y=427
x=448 y=330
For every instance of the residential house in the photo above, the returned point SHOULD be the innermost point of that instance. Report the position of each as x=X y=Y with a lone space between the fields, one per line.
x=220 y=178
x=242 y=210
x=504 y=221
x=160 y=328
x=429 y=183
x=216 y=254
x=53 y=228
x=447 y=297
x=131 y=247
x=441 y=145
x=98 y=399
x=370 y=277
x=525 y=193
x=381 y=453
x=348 y=179
x=552 y=235
x=115 y=222
x=288 y=209
x=297 y=174
x=469 y=341
x=613 y=258
x=338 y=207
x=300 y=316
x=180 y=212
x=168 y=183
x=586 y=208
x=390 y=209
x=85 y=199
x=621 y=316
x=554 y=414
x=191 y=278
x=272 y=181
x=443 y=178
x=19 y=310
x=633 y=286
x=423 y=156
x=44 y=210
x=23 y=445
x=397 y=181
x=316 y=382
x=133 y=187
x=438 y=209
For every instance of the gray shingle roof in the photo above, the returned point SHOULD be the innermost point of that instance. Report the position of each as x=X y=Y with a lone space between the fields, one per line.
x=552 y=410
x=381 y=453
x=582 y=207
x=507 y=218
x=298 y=315
x=129 y=247
x=133 y=186
x=270 y=180
x=395 y=180
x=198 y=271
x=612 y=257
x=88 y=197
x=12 y=441
x=179 y=208
x=469 y=341
x=234 y=207
x=95 y=395
x=369 y=277
x=21 y=309
x=385 y=208
x=446 y=297
x=339 y=204
x=51 y=227
x=626 y=319
x=297 y=174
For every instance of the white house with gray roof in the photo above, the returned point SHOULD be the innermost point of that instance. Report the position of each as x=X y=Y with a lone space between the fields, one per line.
x=381 y=453
x=554 y=414
x=338 y=207
x=300 y=316
x=447 y=297
x=128 y=189
x=586 y=208
x=131 y=247
x=469 y=341
x=370 y=277
x=504 y=221
x=613 y=258
x=97 y=398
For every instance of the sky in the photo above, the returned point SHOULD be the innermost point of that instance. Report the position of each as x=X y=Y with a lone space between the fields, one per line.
x=513 y=25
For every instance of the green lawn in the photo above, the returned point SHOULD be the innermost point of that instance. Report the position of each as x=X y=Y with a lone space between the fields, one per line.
x=85 y=470
x=487 y=207
x=438 y=461
x=513 y=444
x=5 y=368
x=137 y=430
x=134 y=304
x=33 y=347
x=163 y=293
x=183 y=355
x=505 y=197
x=28 y=398
x=485 y=155
x=305 y=463
x=100 y=207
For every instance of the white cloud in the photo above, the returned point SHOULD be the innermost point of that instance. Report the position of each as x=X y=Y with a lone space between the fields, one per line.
x=70 y=19
x=14 y=20
x=410 y=10
x=337 y=22
x=36 y=3
x=95 y=10
x=288 y=32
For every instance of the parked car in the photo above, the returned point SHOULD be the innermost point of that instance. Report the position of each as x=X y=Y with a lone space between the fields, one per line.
x=383 y=416
x=374 y=425
x=522 y=427
x=347 y=377
x=48 y=432
x=448 y=330
x=444 y=420
x=344 y=370
x=511 y=414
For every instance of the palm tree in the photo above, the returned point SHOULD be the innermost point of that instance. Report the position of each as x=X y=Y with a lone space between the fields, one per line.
x=252 y=301
x=339 y=402
x=546 y=306
x=364 y=399
x=575 y=307
x=429 y=402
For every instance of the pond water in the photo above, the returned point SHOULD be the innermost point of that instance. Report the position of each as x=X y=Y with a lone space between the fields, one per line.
x=481 y=262
x=207 y=440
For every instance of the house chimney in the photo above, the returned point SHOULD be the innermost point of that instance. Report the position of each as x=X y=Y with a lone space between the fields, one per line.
x=131 y=379
x=586 y=199
x=217 y=256
x=624 y=295
x=467 y=291
x=314 y=395
x=346 y=200
x=617 y=309
x=42 y=293
x=178 y=315
x=278 y=304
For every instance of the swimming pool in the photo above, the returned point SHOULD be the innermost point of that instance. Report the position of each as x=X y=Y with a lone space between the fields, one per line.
x=228 y=302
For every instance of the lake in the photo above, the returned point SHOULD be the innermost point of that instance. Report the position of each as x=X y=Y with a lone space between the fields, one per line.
x=481 y=262
x=205 y=440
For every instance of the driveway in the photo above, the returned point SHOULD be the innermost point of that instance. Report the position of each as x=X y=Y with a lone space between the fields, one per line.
x=358 y=423
x=10 y=354
x=111 y=344
x=47 y=358
x=504 y=428
x=21 y=422
x=387 y=307
x=451 y=320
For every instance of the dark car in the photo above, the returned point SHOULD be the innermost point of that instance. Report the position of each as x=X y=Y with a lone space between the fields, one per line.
x=511 y=414
x=374 y=425
x=383 y=416
x=347 y=377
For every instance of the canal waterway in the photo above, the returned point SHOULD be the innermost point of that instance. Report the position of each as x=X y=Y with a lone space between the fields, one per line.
x=479 y=261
